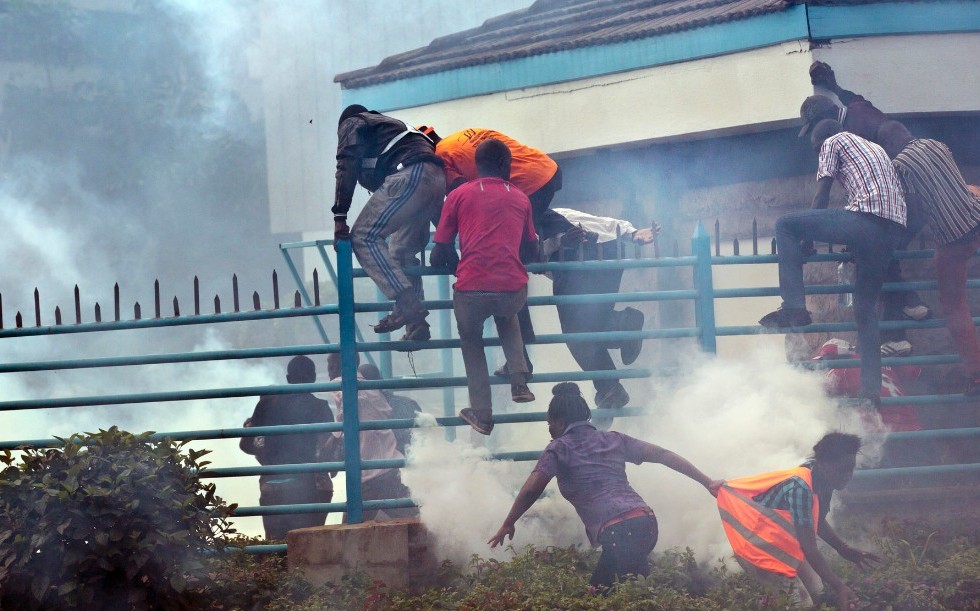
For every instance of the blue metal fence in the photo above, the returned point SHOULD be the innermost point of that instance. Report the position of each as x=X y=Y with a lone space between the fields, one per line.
x=703 y=295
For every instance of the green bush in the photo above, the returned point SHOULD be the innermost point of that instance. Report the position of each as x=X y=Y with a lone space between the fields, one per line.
x=109 y=520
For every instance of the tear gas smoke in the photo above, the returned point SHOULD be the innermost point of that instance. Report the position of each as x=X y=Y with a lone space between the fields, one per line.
x=730 y=418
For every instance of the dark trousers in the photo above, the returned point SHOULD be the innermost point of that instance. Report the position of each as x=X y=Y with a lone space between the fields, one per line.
x=625 y=549
x=871 y=239
x=892 y=302
x=297 y=490
x=387 y=486
x=591 y=317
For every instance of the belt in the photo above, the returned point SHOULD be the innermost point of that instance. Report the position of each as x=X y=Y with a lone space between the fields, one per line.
x=639 y=512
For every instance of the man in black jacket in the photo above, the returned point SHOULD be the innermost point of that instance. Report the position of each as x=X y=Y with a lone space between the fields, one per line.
x=290 y=488
x=398 y=164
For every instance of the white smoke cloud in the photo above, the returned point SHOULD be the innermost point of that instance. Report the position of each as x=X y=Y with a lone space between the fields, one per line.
x=730 y=418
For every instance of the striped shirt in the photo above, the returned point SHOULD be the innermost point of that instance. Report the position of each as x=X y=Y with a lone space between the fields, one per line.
x=866 y=173
x=929 y=175
x=796 y=497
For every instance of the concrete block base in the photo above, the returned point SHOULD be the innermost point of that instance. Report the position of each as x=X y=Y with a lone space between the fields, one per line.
x=394 y=552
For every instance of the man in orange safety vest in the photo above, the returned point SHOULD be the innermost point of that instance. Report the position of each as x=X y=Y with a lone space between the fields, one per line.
x=772 y=521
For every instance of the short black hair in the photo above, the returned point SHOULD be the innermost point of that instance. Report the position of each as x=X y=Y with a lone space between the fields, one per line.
x=301 y=370
x=334 y=363
x=836 y=446
x=350 y=111
x=493 y=159
x=825 y=128
x=893 y=136
x=567 y=404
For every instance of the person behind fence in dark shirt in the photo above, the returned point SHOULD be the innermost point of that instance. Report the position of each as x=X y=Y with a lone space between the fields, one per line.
x=871 y=225
x=591 y=469
x=402 y=407
x=859 y=116
x=933 y=184
x=301 y=448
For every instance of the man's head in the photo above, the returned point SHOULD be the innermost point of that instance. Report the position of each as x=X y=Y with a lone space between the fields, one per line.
x=350 y=111
x=301 y=370
x=824 y=129
x=815 y=108
x=369 y=372
x=567 y=407
x=430 y=132
x=493 y=159
x=333 y=364
x=893 y=136
x=836 y=455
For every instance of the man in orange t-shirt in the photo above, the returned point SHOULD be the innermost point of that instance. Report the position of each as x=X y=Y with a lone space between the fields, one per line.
x=532 y=171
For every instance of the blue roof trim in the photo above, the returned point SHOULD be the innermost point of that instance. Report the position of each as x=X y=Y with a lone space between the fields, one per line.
x=894 y=18
x=719 y=39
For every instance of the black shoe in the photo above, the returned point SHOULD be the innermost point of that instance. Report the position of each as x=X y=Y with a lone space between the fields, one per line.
x=520 y=393
x=502 y=371
x=615 y=397
x=415 y=332
x=482 y=422
x=632 y=321
x=786 y=317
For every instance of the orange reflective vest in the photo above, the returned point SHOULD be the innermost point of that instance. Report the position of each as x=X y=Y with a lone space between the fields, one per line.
x=763 y=536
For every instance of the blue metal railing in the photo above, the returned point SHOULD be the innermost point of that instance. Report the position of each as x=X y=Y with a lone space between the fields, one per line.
x=705 y=332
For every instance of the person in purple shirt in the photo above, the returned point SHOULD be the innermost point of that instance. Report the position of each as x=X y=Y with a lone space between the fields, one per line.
x=591 y=469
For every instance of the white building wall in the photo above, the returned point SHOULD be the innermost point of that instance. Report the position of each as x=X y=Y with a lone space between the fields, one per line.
x=754 y=90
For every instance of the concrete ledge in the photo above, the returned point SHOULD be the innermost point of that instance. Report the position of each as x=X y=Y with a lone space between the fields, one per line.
x=395 y=552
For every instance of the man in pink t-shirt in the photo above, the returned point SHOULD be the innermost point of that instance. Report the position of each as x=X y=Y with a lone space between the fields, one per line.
x=493 y=219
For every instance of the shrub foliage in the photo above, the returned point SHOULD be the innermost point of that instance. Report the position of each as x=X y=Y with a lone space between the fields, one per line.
x=108 y=520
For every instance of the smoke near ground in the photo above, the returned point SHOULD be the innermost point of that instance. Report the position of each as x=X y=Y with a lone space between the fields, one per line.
x=731 y=418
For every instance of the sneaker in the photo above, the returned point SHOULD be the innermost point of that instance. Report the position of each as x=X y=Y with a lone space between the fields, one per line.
x=632 y=321
x=481 y=421
x=898 y=348
x=397 y=319
x=919 y=312
x=520 y=393
x=786 y=317
x=415 y=332
x=615 y=397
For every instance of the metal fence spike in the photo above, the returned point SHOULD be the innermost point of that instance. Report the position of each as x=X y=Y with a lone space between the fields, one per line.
x=37 y=308
x=156 y=299
x=115 y=300
x=197 y=296
x=137 y=311
x=316 y=287
x=275 y=290
x=78 y=306
x=217 y=304
x=57 y=315
x=234 y=291
x=176 y=308
x=255 y=301
x=98 y=312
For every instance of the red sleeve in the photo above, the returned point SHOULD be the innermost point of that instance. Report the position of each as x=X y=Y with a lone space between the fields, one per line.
x=529 y=233
x=449 y=222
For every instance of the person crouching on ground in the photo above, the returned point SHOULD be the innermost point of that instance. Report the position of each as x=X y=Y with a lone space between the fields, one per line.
x=773 y=520
x=591 y=469
x=493 y=220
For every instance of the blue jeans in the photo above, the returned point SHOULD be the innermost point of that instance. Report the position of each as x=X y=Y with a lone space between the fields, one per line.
x=871 y=240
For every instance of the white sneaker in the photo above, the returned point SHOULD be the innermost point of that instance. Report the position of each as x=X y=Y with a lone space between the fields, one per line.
x=901 y=348
x=919 y=312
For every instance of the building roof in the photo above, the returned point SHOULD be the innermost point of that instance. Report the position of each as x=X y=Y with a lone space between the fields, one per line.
x=549 y=26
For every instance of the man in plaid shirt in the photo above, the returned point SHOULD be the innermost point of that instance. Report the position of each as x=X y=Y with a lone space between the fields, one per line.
x=871 y=225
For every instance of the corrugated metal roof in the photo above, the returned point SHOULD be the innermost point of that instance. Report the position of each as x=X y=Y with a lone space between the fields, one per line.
x=548 y=26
